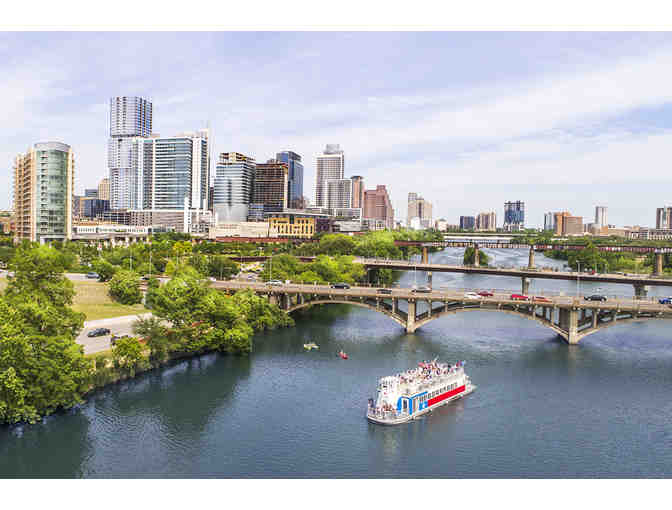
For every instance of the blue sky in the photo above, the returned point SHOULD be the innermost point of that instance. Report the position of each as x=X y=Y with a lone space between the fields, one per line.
x=562 y=121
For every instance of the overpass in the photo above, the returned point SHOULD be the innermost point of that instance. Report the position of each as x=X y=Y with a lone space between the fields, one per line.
x=569 y=317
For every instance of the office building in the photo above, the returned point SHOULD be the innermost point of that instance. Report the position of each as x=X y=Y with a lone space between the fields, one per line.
x=271 y=187
x=467 y=222
x=91 y=207
x=486 y=221
x=233 y=185
x=418 y=208
x=559 y=221
x=357 y=191
x=130 y=117
x=549 y=223
x=172 y=169
x=91 y=193
x=514 y=216
x=294 y=177
x=330 y=165
x=600 y=216
x=572 y=226
x=104 y=189
x=338 y=193
x=664 y=218
x=377 y=205
x=44 y=179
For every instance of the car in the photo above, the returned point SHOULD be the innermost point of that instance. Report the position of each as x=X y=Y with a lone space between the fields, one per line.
x=520 y=297
x=340 y=285
x=93 y=275
x=485 y=293
x=472 y=295
x=212 y=279
x=251 y=277
x=274 y=282
x=422 y=289
x=541 y=298
x=665 y=301
x=98 y=332
x=384 y=291
x=595 y=297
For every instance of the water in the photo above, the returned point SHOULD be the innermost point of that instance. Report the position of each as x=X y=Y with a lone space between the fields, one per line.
x=542 y=408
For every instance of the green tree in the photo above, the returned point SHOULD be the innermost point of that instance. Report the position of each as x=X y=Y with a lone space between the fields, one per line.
x=124 y=287
x=104 y=269
x=222 y=267
x=470 y=256
x=155 y=334
x=127 y=353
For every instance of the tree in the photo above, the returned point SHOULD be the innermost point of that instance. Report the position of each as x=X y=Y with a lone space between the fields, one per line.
x=470 y=256
x=222 y=267
x=104 y=269
x=127 y=352
x=155 y=334
x=124 y=287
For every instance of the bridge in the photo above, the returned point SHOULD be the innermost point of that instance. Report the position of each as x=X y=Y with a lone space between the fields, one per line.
x=569 y=317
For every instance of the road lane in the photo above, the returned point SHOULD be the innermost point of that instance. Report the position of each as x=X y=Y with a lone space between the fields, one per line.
x=118 y=326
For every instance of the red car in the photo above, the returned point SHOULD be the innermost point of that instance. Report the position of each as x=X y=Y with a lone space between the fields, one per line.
x=485 y=293
x=520 y=297
x=541 y=298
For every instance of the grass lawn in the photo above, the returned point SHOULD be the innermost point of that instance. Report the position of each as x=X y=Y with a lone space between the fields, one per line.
x=92 y=299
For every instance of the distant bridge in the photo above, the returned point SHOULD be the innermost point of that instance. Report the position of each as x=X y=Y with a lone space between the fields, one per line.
x=571 y=318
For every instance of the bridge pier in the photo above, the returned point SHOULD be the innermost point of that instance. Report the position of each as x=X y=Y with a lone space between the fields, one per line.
x=530 y=262
x=425 y=255
x=658 y=264
x=395 y=305
x=596 y=314
x=477 y=261
x=429 y=279
x=569 y=322
x=640 y=290
x=525 y=285
x=410 y=319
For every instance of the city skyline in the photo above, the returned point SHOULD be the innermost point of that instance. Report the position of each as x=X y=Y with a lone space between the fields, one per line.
x=564 y=133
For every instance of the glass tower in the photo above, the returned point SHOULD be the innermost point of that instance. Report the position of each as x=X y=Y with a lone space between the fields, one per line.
x=295 y=176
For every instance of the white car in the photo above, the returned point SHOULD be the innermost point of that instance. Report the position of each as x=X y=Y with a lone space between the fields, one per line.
x=274 y=282
x=472 y=295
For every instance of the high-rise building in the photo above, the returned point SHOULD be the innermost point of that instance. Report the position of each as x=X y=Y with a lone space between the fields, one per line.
x=171 y=169
x=357 y=191
x=559 y=221
x=294 y=177
x=91 y=193
x=514 y=216
x=130 y=117
x=600 y=216
x=104 y=189
x=91 y=207
x=330 y=165
x=377 y=205
x=233 y=184
x=271 y=186
x=664 y=218
x=572 y=225
x=549 y=223
x=338 y=193
x=467 y=222
x=44 y=179
x=486 y=221
x=420 y=209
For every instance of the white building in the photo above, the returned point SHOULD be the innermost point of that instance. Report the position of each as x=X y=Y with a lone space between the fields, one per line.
x=233 y=186
x=338 y=193
x=330 y=165
x=600 y=216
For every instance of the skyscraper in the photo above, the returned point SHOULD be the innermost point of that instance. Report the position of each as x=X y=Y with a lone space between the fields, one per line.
x=44 y=179
x=600 y=216
x=294 y=177
x=486 y=221
x=104 y=189
x=271 y=186
x=467 y=222
x=419 y=208
x=548 y=221
x=234 y=180
x=171 y=169
x=664 y=217
x=514 y=216
x=330 y=165
x=377 y=205
x=357 y=191
x=338 y=193
x=130 y=117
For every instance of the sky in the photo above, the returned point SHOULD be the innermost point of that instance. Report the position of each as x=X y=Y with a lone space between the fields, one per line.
x=469 y=120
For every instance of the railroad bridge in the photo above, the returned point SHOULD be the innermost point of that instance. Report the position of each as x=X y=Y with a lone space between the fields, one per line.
x=571 y=318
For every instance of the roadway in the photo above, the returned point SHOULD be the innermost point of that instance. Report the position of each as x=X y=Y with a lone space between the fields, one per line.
x=118 y=325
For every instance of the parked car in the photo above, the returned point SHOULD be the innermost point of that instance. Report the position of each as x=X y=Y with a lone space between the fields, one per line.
x=595 y=297
x=98 y=332
x=520 y=297
x=665 y=301
x=541 y=298
x=274 y=282
x=485 y=293
x=422 y=289
x=384 y=291
x=472 y=295
x=93 y=275
x=340 y=285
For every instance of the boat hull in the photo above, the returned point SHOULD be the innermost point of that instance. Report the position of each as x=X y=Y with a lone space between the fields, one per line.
x=381 y=420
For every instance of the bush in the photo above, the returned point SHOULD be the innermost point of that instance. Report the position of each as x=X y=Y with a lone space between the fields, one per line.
x=125 y=288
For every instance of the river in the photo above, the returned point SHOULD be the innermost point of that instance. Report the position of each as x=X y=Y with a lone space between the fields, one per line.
x=542 y=408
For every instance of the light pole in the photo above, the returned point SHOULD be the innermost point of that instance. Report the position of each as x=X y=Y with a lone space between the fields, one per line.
x=578 y=279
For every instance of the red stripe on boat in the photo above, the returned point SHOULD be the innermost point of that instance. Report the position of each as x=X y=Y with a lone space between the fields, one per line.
x=444 y=396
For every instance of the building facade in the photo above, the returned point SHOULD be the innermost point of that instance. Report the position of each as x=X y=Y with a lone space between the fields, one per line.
x=486 y=221
x=467 y=222
x=357 y=191
x=549 y=223
x=418 y=208
x=270 y=189
x=514 y=216
x=104 y=189
x=664 y=218
x=377 y=205
x=130 y=117
x=600 y=216
x=338 y=193
x=572 y=226
x=330 y=165
x=233 y=185
x=44 y=179
x=294 y=177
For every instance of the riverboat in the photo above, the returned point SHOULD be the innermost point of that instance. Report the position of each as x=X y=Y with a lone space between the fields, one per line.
x=411 y=394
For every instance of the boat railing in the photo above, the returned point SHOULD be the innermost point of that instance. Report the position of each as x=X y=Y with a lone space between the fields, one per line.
x=385 y=415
